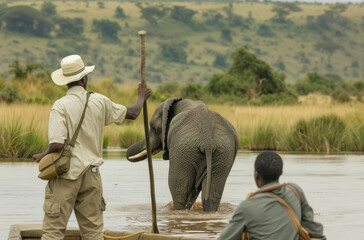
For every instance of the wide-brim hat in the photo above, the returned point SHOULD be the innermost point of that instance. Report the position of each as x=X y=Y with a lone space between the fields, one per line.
x=72 y=69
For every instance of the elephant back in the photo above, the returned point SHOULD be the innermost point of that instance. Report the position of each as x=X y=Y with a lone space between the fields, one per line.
x=191 y=125
x=223 y=132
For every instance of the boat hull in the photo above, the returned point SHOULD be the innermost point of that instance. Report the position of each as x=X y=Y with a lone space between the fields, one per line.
x=34 y=232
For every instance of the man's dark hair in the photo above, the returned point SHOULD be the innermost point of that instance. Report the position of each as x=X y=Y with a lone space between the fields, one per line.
x=269 y=165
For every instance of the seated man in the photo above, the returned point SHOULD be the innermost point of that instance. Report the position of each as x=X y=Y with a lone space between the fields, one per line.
x=263 y=216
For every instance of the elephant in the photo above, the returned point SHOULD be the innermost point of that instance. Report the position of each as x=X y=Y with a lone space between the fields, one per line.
x=200 y=145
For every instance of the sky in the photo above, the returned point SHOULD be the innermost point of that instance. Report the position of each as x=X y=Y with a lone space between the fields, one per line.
x=323 y=1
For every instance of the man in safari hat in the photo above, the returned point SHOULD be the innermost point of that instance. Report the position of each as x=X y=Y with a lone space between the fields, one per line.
x=80 y=188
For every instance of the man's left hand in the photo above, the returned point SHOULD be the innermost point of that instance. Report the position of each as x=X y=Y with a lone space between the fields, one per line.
x=38 y=157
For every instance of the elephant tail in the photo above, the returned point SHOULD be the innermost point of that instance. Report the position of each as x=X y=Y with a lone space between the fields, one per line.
x=206 y=199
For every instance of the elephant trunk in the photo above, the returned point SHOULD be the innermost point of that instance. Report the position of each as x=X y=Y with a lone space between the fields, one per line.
x=138 y=152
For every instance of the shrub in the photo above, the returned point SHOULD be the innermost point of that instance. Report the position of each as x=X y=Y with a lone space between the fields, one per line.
x=48 y=9
x=106 y=29
x=192 y=91
x=265 y=31
x=169 y=88
x=183 y=14
x=226 y=34
x=320 y=134
x=341 y=95
x=17 y=70
x=9 y=94
x=24 y=19
x=153 y=14
x=174 y=51
x=129 y=137
x=212 y=18
x=248 y=78
x=100 y=4
x=314 y=82
x=264 y=138
x=282 y=10
x=105 y=142
x=357 y=139
x=119 y=13
x=19 y=141
x=220 y=60
x=70 y=27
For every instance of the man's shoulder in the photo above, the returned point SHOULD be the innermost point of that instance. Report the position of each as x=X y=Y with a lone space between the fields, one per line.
x=59 y=103
x=253 y=201
x=98 y=96
x=296 y=186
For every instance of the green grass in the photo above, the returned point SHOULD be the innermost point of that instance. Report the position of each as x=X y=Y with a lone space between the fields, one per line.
x=105 y=143
x=129 y=137
x=19 y=141
x=265 y=137
x=320 y=134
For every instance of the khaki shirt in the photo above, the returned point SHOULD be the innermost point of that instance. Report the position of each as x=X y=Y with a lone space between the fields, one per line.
x=64 y=118
x=264 y=218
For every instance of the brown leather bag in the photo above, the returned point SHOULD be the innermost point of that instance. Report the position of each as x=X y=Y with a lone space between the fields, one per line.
x=303 y=234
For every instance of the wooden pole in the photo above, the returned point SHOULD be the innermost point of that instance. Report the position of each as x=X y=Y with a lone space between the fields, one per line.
x=142 y=34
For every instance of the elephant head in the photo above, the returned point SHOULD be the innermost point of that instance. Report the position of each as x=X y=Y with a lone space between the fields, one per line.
x=159 y=126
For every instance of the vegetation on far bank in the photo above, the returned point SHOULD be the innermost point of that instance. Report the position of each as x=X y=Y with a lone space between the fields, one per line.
x=315 y=127
x=233 y=76
x=249 y=80
x=187 y=42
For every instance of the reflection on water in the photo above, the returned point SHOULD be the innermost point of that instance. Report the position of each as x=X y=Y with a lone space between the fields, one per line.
x=333 y=185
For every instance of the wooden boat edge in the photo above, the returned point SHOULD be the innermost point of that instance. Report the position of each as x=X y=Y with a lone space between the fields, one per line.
x=19 y=231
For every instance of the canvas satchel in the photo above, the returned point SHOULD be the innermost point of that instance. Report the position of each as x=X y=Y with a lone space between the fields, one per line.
x=54 y=164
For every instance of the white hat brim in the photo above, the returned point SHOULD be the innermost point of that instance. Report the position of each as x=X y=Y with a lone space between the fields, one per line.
x=59 y=79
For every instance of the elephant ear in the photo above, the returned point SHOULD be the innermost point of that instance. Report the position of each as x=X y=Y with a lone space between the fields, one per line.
x=167 y=116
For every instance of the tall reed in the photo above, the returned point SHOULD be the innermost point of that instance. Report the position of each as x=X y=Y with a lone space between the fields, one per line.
x=128 y=137
x=258 y=128
x=19 y=141
x=319 y=134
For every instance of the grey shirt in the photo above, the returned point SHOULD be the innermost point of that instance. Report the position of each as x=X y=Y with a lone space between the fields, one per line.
x=266 y=219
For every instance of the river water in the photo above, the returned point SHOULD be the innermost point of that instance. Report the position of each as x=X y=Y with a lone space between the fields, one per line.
x=334 y=186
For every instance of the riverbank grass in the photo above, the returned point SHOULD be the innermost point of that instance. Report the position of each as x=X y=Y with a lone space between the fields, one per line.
x=19 y=140
x=304 y=128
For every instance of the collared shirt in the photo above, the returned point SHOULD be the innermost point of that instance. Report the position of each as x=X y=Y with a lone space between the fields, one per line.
x=264 y=218
x=64 y=118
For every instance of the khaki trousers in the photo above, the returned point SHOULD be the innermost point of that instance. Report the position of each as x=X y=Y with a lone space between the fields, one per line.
x=84 y=195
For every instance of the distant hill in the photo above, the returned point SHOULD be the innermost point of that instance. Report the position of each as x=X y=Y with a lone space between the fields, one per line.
x=190 y=41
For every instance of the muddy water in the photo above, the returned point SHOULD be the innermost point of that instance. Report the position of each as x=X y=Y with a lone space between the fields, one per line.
x=334 y=185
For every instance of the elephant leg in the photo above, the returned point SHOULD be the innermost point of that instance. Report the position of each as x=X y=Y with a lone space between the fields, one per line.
x=182 y=177
x=192 y=198
x=180 y=185
x=221 y=166
x=178 y=188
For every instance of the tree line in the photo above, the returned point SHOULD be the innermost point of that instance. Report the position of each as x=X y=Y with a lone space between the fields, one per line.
x=249 y=80
x=47 y=23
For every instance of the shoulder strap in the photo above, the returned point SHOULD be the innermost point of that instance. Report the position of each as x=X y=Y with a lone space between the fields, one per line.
x=271 y=188
x=267 y=189
x=304 y=235
x=73 y=140
x=295 y=192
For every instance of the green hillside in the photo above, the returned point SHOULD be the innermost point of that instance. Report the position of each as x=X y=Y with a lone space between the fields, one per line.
x=188 y=41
